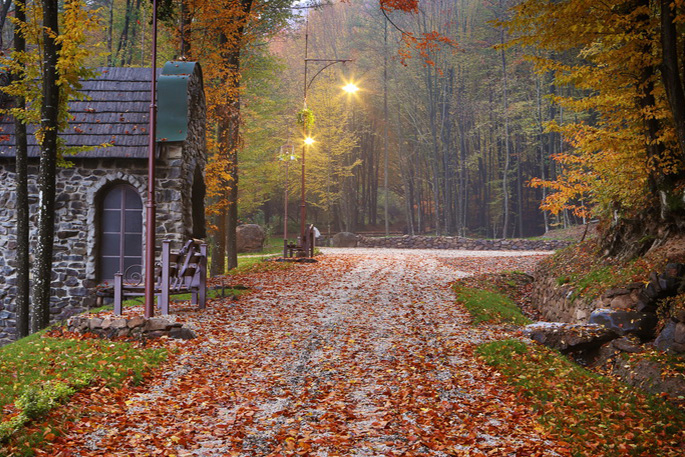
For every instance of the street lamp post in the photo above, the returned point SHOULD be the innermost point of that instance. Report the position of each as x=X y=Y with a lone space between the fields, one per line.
x=350 y=88
x=150 y=203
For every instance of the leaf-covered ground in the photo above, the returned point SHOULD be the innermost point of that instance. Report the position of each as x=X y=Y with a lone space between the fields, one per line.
x=358 y=355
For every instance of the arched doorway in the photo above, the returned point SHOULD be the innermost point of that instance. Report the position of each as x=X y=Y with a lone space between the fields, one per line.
x=121 y=231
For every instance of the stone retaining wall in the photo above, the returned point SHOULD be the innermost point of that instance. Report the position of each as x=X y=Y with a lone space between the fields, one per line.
x=136 y=327
x=559 y=303
x=457 y=242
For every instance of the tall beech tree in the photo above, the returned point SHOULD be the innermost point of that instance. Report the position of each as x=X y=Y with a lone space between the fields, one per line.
x=219 y=36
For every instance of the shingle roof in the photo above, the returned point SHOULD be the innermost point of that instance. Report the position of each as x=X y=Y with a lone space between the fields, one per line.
x=115 y=110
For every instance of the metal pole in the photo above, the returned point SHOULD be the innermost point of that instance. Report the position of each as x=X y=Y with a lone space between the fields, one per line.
x=303 y=203
x=285 y=217
x=150 y=204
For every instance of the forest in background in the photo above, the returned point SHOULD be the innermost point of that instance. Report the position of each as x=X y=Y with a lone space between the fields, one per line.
x=462 y=123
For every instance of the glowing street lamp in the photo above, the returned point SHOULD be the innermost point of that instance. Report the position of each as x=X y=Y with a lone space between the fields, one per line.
x=308 y=141
x=350 y=88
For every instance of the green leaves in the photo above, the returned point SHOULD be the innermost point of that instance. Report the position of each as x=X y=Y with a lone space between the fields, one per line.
x=305 y=118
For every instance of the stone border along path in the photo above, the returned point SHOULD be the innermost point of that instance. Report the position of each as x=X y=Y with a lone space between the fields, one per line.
x=363 y=354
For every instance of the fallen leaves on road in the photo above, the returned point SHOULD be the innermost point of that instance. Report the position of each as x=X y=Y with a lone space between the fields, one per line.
x=357 y=355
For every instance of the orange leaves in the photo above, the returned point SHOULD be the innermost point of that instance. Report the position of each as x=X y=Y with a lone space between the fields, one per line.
x=619 y=138
x=426 y=44
x=408 y=6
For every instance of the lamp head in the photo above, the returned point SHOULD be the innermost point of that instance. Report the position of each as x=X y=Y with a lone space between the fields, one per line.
x=350 y=88
x=309 y=141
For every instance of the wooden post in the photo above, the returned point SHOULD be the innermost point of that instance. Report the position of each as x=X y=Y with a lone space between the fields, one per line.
x=165 y=279
x=118 y=292
x=202 y=265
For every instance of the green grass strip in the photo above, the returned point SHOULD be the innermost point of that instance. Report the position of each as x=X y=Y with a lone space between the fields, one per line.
x=486 y=306
x=37 y=373
x=594 y=414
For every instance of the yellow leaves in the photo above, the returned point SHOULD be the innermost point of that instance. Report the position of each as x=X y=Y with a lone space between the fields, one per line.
x=608 y=51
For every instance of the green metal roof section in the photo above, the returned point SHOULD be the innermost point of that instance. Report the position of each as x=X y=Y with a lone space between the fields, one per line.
x=172 y=101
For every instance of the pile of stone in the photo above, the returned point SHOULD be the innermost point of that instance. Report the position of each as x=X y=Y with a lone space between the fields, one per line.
x=629 y=310
x=136 y=327
x=621 y=321
x=458 y=242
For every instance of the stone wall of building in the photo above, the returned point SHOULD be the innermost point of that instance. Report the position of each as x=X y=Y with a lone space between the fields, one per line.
x=457 y=242
x=76 y=243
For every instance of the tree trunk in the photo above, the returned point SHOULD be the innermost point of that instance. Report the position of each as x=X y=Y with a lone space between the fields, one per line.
x=23 y=265
x=218 y=265
x=6 y=4
x=186 y=25
x=110 y=35
x=385 y=126
x=123 y=45
x=519 y=190
x=232 y=138
x=42 y=277
x=505 y=172
x=670 y=71
x=541 y=136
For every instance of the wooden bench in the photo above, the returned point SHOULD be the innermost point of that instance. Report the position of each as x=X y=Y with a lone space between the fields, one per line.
x=179 y=272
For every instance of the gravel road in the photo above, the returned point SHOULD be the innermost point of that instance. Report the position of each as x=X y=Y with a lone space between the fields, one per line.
x=363 y=354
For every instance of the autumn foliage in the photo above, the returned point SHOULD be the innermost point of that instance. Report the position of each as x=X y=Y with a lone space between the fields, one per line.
x=621 y=147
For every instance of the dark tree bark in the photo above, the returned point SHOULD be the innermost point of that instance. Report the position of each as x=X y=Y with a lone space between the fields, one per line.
x=218 y=265
x=40 y=313
x=505 y=172
x=186 y=27
x=385 y=127
x=110 y=35
x=232 y=136
x=123 y=38
x=23 y=265
x=670 y=71
x=628 y=238
x=6 y=4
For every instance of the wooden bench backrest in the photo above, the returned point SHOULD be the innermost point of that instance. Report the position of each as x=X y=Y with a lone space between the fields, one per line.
x=185 y=267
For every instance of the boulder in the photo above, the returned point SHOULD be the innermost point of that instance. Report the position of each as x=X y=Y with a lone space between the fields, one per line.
x=679 y=335
x=666 y=341
x=182 y=333
x=569 y=337
x=624 y=301
x=249 y=238
x=345 y=240
x=157 y=324
x=625 y=322
x=651 y=376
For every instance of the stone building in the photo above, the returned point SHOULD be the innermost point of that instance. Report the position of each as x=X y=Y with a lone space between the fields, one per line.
x=100 y=227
